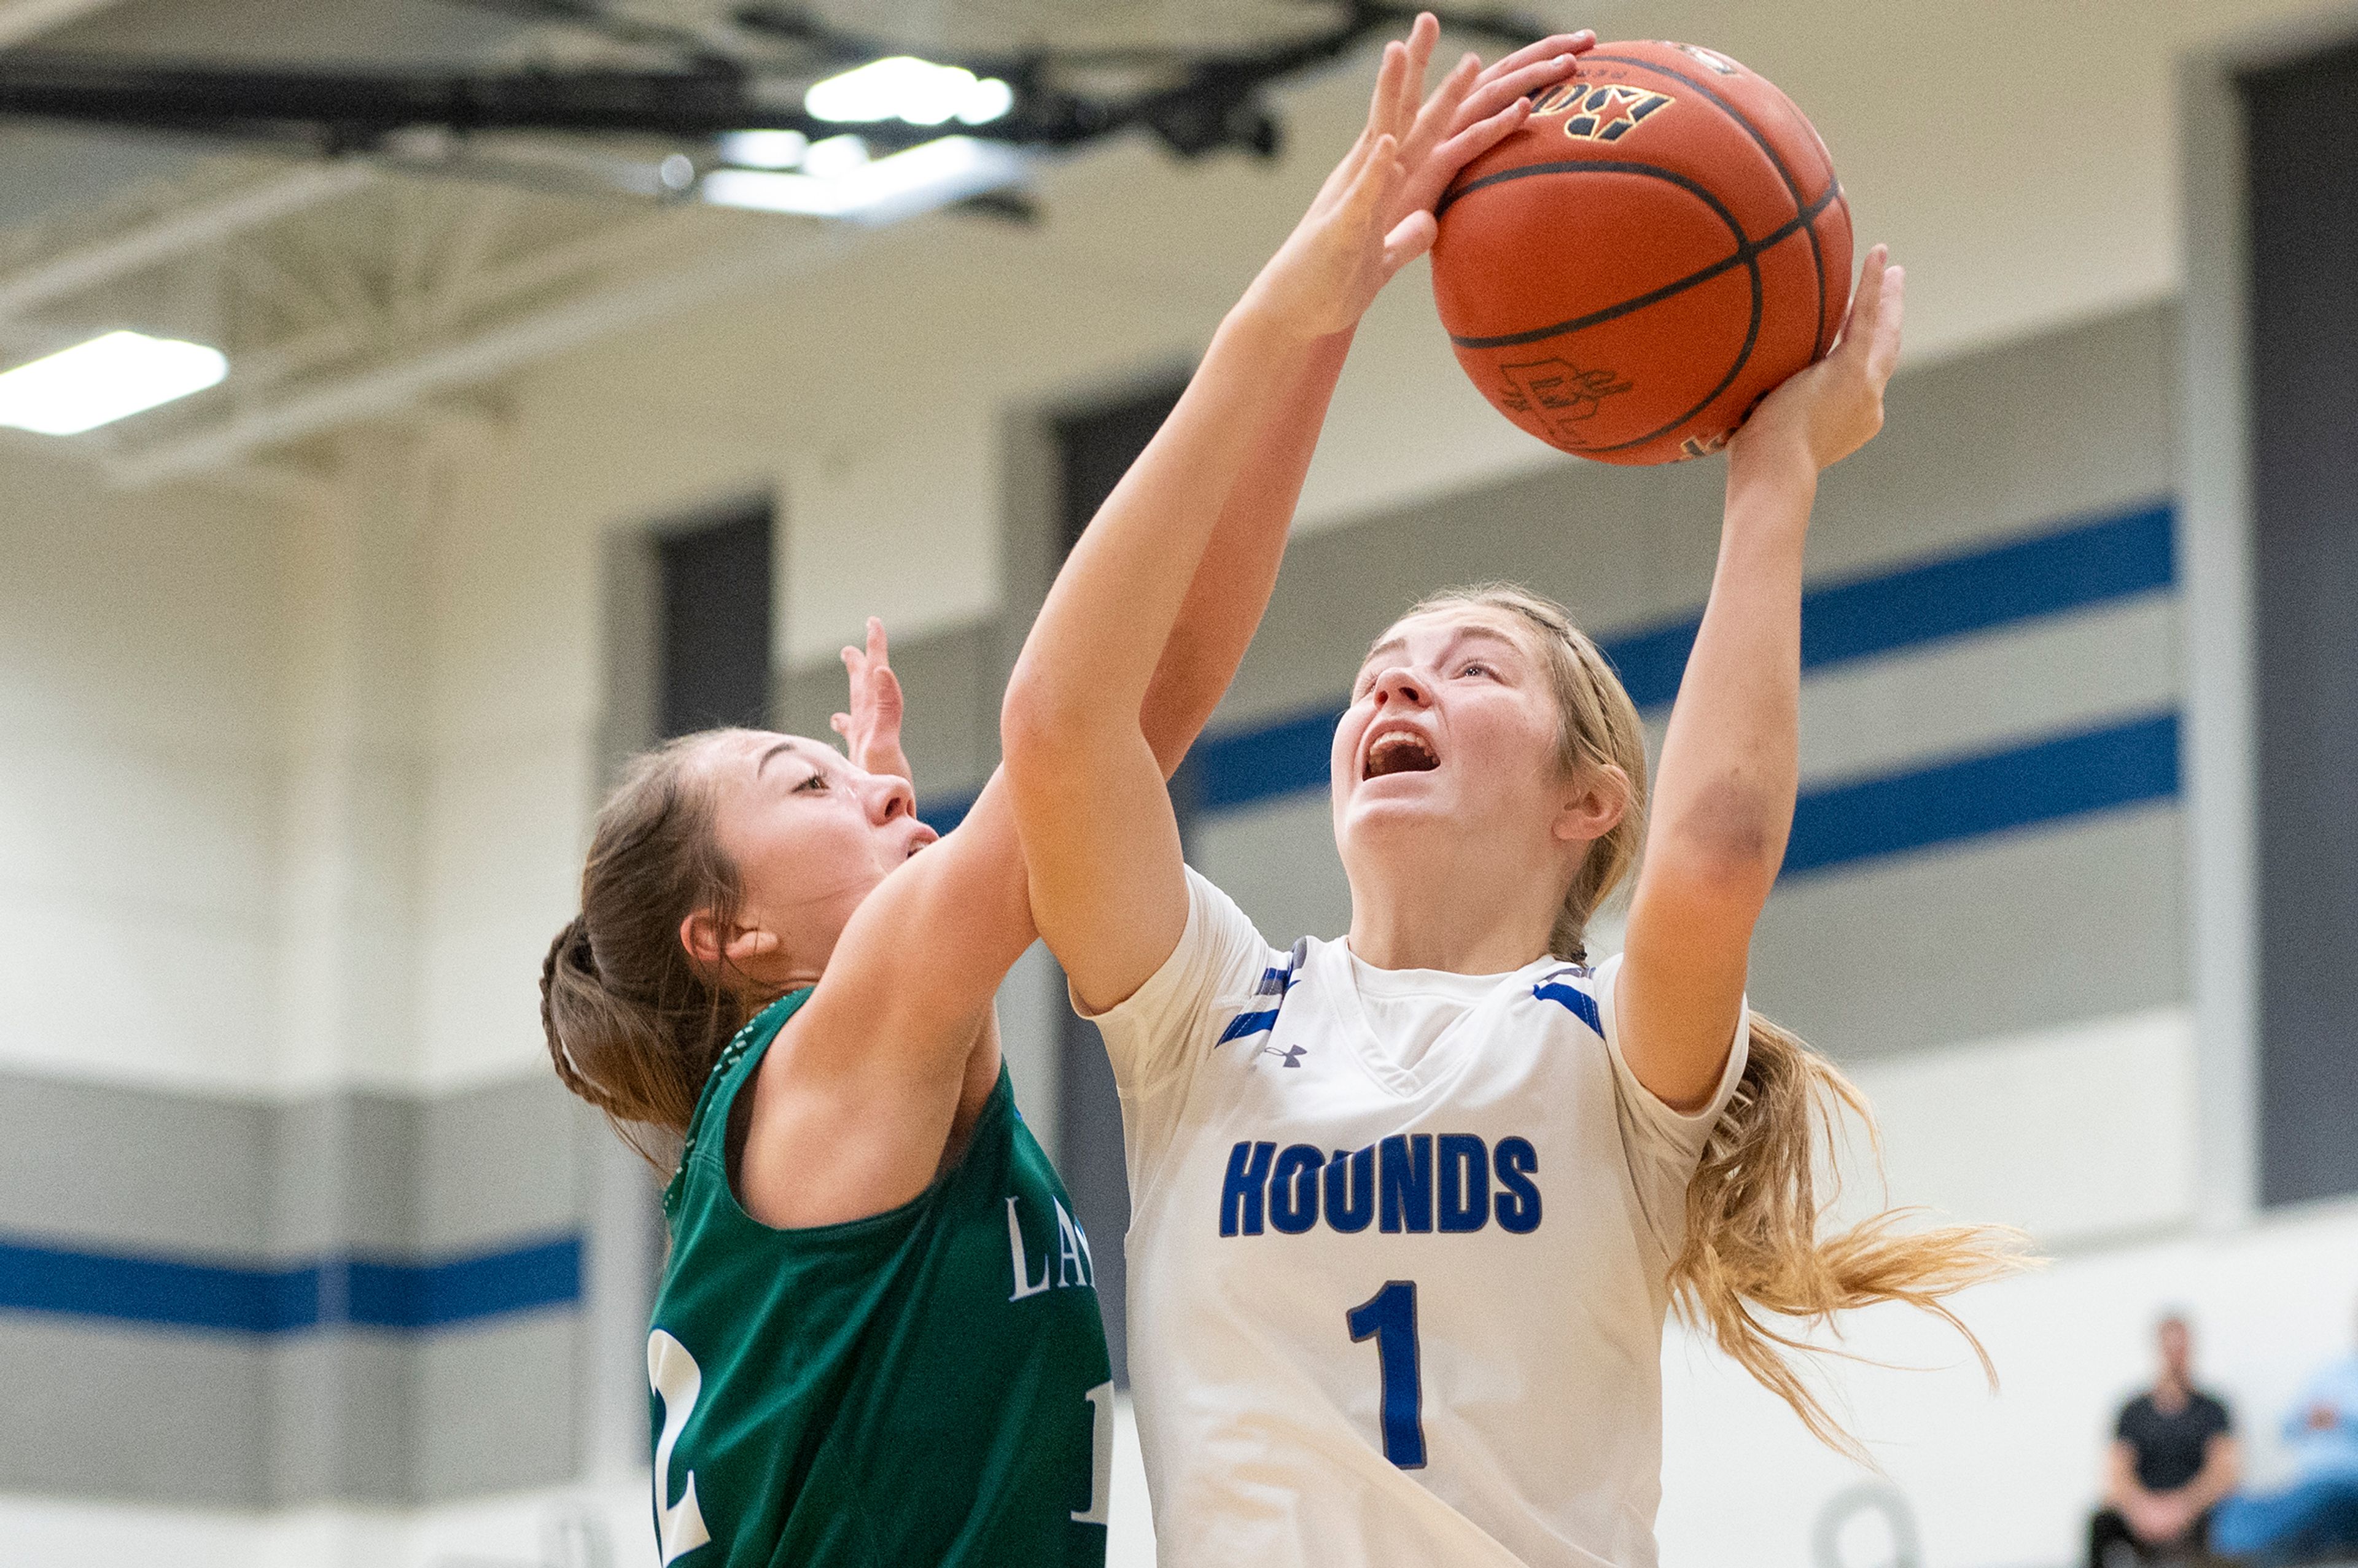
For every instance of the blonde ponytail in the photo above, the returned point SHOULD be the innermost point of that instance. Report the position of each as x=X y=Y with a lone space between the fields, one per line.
x=1752 y=1239
x=1752 y=1215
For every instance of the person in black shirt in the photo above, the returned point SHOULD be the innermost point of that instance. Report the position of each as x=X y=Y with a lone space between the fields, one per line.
x=2173 y=1457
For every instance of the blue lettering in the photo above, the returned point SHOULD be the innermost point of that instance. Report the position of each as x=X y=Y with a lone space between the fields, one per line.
x=1464 y=1183
x=1518 y=1197
x=1241 y=1194
x=1351 y=1190
x=1406 y=1164
x=1294 y=1191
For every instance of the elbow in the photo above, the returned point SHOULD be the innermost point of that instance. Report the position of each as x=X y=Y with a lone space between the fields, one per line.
x=1042 y=722
x=1729 y=842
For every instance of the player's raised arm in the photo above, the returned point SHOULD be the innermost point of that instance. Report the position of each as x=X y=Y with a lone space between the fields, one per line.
x=1103 y=847
x=1724 y=799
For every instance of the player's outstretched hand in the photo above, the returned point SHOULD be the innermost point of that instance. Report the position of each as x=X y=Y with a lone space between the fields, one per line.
x=1835 y=406
x=1374 y=214
x=871 y=730
x=1474 y=109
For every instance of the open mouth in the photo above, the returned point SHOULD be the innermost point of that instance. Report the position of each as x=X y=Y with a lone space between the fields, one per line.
x=1400 y=751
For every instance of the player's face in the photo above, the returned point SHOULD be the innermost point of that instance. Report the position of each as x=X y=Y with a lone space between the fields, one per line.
x=1451 y=735
x=811 y=835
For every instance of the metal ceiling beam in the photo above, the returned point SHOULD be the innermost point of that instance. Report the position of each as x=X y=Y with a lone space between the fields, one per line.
x=175 y=233
x=394 y=389
x=22 y=19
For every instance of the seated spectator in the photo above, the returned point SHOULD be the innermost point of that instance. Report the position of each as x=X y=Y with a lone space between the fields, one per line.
x=2173 y=1457
x=2317 y=1516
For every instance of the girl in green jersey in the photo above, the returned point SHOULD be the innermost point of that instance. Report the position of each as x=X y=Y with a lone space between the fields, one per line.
x=876 y=1342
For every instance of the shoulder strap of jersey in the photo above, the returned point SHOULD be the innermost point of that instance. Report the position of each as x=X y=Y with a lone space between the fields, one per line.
x=734 y=1065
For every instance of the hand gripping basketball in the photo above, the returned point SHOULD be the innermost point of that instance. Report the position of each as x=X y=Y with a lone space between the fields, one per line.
x=1660 y=241
x=1835 y=406
x=1374 y=213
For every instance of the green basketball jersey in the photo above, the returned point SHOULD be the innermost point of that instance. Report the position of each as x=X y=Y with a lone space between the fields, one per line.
x=925 y=1386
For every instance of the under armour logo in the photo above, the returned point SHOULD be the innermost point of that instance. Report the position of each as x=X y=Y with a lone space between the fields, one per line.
x=1292 y=1054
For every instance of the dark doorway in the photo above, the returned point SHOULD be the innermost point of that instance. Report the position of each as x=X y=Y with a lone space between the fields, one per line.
x=1095 y=448
x=2303 y=140
x=715 y=648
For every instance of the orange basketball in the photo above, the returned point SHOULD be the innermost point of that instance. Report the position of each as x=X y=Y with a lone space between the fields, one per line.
x=1660 y=243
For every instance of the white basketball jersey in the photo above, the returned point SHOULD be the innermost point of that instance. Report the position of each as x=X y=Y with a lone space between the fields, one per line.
x=1393 y=1307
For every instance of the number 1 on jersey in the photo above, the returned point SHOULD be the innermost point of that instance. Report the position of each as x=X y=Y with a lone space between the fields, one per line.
x=1388 y=1317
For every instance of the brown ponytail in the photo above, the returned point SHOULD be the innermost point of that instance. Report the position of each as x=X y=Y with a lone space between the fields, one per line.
x=633 y=1026
x=1752 y=1211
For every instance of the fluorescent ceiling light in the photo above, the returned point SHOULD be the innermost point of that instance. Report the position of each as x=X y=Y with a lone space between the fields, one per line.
x=931 y=175
x=764 y=149
x=903 y=87
x=104 y=379
x=836 y=155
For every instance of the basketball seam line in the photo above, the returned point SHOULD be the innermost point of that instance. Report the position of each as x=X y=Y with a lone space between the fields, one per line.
x=1760 y=139
x=1693 y=187
x=1743 y=358
x=1746 y=251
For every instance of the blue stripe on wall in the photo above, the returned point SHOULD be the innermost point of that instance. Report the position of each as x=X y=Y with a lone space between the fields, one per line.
x=2047 y=781
x=369 y=1293
x=2081 y=565
x=1254 y=764
x=2087 y=563
x=944 y=811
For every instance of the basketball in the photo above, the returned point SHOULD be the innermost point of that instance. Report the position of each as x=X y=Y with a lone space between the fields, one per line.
x=1659 y=244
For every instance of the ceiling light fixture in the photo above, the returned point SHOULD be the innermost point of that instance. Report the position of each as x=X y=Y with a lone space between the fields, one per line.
x=933 y=174
x=903 y=87
x=105 y=378
x=764 y=149
x=835 y=156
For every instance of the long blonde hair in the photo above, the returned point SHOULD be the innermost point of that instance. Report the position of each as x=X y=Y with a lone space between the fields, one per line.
x=1752 y=1244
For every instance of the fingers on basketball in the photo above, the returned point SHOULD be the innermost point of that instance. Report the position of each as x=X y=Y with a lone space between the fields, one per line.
x=1511 y=88
x=1445 y=109
x=1865 y=299
x=1484 y=133
x=1546 y=48
x=1410 y=238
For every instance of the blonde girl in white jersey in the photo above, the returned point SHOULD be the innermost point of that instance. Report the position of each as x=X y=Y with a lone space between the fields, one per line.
x=1409 y=1209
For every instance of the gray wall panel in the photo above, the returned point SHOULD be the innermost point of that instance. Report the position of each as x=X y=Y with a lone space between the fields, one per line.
x=484 y=1418
x=2015 y=437
x=952 y=682
x=1277 y=860
x=342 y=1172
x=495 y=1164
x=1989 y=691
x=341 y=1428
x=98 y=1412
x=1617 y=545
x=140 y=1169
x=314 y=1415
x=2026 y=931
x=1986 y=445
